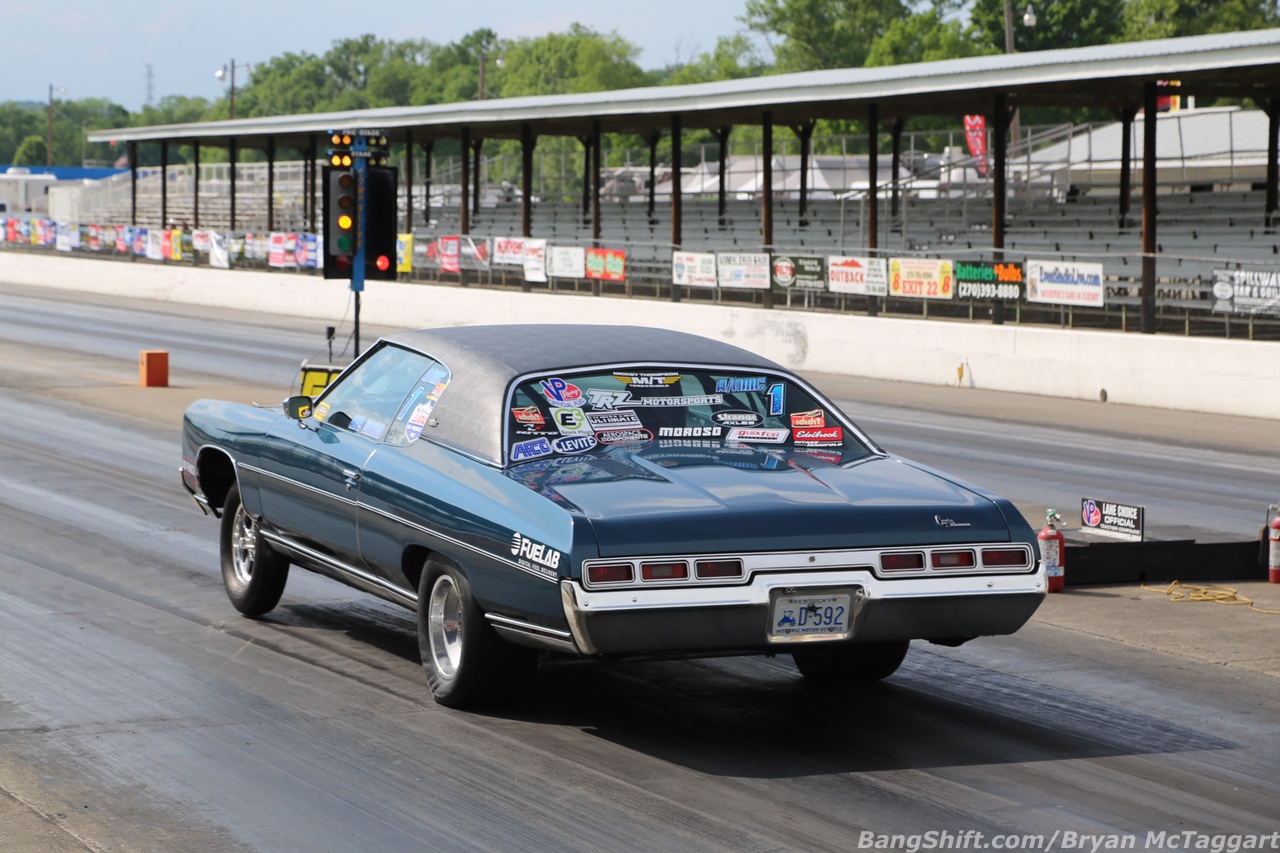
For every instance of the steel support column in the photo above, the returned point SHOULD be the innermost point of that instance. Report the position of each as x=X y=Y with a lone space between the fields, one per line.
x=722 y=137
x=232 y=154
x=164 y=184
x=676 y=212
x=427 y=150
x=1149 y=208
x=464 y=211
x=133 y=183
x=1126 y=163
x=311 y=184
x=595 y=184
x=271 y=183
x=477 y=148
x=1000 y=188
x=527 y=143
x=653 y=172
x=873 y=176
x=195 y=183
x=766 y=210
x=895 y=201
x=408 y=181
x=1273 y=172
x=804 y=133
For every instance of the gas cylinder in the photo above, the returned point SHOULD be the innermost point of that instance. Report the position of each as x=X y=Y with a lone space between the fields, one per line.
x=1273 y=553
x=1053 y=550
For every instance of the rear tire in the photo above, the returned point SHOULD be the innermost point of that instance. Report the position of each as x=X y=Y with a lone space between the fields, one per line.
x=466 y=662
x=253 y=573
x=850 y=663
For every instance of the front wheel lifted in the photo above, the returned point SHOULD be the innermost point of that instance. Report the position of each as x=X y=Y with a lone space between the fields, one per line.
x=253 y=573
x=850 y=663
x=465 y=660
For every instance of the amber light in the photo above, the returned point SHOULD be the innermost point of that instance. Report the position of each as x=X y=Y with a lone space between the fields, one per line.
x=664 y=571
x=344 y=222
x=901 y=562
x=612 y=573
x=952 y=559
x=719 y=568
x=346 y=159
x=1004 y=557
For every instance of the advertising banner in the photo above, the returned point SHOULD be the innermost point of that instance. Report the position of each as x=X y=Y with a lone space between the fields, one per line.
x=219 y=256
x=607 y=264
x=1063 y=283
x=986 y=280
x=140 y=241
x=807 y=272
x=451 y=254
x=535 y=260
x=95 y=238
x=275 y=256
x=62 y=242
x=478 y=252
x=155 y=243
x=860 y=276
x=404 y=253
x=566 y=262
x=1246 y=292
x=975 y=136
x=306 y=251
x=921 y=278
x=509 y=251
x=175 y=244
x=693 y=269
x=742 y=269
x=1113 y=519
x=200 y=240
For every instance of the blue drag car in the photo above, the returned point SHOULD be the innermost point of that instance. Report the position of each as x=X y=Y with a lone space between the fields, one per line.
x=604 y=492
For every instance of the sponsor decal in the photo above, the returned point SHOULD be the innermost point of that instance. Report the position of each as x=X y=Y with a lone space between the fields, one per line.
x=574 y=443
x=609 y=400
x=777 y=395
x=833 y=457
x=528 y=415
x=801 y=271
x=617 y=419
x=570 y=421
x=814 y=418
x=1114 y=519
x=987 y=280
x=373 y=429
x=857 y=275
x=530 y=449
x=417 y=421
x=1246 y=292
x=690 y=432
x=766 y=436
x=738 y=417
x=528 y=552
x=741 y=383
x=642 y=380
x=561 y=393
x=1062 y=283
x=921 y=278
x=623 y=436
x=693 y=269
x=321 y=411
x=825 y=435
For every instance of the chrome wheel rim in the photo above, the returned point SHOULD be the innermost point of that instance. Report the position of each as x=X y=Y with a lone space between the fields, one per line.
x=244 y=545
x=445 y=626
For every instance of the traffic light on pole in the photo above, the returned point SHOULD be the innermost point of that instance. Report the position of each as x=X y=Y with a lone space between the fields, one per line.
x=340 y=223
x=381 y=187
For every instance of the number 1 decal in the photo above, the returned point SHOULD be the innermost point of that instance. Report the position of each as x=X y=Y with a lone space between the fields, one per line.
x=777 y=395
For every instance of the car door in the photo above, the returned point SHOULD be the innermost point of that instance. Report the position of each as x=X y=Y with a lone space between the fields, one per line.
x=312 y=467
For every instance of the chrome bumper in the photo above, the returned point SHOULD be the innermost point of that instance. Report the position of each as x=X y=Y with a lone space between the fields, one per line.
x=736 y=618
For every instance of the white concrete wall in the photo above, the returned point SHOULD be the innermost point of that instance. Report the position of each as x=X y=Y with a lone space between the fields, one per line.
x=1195 y=374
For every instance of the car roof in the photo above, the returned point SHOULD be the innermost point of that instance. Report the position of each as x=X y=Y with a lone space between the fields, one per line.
x=483 y=361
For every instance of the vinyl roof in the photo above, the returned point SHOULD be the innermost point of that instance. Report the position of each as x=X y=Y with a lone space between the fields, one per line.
x=483 y=361
x=1244 y=64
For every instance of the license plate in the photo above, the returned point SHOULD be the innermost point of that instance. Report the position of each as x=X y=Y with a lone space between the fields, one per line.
x=811 y=615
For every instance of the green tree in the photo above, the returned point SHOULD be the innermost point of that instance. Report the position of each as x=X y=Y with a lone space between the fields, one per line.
x=1153 y=19
x=734 y=57
x=17 y=122
x=31 y=152
x=813 y=34
x=926 y=37
x=1059 y=23
x=577 y=60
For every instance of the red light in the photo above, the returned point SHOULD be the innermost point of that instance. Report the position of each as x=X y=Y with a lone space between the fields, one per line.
x=719 y=568
x=952 y=559
x=901 y=562
x=342 y=262
x=383 y=263
x=1004 y=557
x=664 y=571
x=613 y=573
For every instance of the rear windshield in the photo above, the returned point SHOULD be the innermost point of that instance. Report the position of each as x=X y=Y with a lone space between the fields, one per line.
x=565 y=414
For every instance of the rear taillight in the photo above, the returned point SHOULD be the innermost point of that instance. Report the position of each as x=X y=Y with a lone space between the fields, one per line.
x=902 y=562
x=664 y=571
x=610 y=573
x=719 y=568
x=952 y=559
x=1004 y=557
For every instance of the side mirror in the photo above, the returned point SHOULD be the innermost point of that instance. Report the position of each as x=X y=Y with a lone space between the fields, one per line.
x=298 y=408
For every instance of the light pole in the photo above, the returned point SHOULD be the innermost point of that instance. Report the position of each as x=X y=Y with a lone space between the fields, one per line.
x=221 y=74
x=1028 y=19
x=501 y=62
x=48 y=143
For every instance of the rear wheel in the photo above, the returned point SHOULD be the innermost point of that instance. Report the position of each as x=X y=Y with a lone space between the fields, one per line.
x=850 y=663
x=253 y=573
x=465 y=660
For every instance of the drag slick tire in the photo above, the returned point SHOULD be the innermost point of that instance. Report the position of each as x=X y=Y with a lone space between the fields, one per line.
x=253 y=573
x=850 y=663
x=466 y=662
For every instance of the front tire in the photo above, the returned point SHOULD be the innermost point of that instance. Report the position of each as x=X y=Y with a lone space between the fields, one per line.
x=253 y=573
x=465 y=660
x=850 y=663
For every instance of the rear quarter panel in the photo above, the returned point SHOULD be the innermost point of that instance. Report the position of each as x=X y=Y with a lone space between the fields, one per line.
x=233 y=429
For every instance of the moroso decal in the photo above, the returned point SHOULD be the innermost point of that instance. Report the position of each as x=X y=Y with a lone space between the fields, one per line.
x=690 y=432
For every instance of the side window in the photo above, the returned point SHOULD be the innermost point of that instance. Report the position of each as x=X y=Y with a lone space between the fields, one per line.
x=368 y=398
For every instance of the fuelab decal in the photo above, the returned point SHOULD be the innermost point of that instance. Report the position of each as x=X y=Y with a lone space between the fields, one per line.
x=535 y=554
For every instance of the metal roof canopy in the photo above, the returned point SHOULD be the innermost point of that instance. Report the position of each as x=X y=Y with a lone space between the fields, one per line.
x=1243 y=64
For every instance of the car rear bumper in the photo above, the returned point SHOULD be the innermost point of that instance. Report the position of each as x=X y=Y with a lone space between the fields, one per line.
x=737 y=618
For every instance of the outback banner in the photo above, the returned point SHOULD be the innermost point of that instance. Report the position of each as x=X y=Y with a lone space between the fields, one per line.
x=1246 y=292
x=1062 y=283
x=987 y=280
x=921 y=278
x=807 y=272
x=693 y=269
x=860 y=276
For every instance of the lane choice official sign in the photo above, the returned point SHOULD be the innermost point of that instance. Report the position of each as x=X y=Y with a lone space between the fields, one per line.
x=1112 y=519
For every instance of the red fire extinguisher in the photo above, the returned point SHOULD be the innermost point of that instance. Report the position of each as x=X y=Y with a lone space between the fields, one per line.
x=1273 y=555
x=1053 y=551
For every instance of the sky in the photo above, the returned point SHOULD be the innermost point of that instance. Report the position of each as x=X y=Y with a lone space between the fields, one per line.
x=96 y=49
